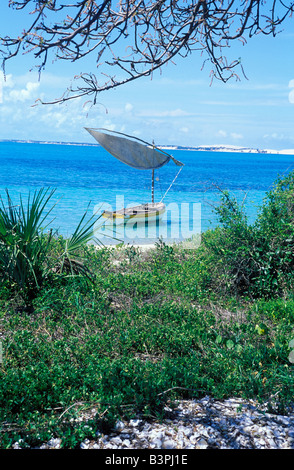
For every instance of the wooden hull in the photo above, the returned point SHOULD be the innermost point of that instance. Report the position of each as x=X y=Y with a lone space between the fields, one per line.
x=144 y=213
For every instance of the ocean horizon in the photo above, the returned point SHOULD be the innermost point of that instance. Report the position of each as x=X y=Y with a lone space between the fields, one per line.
x=85 y=177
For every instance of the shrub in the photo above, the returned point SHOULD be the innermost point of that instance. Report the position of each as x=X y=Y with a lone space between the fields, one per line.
x=231 y=248
x=255 y=260
x=275 y=228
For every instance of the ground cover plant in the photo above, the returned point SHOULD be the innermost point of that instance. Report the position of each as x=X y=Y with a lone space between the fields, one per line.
x=133 y=331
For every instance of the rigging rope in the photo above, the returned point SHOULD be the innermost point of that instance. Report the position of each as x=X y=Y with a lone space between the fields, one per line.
x=171 y=184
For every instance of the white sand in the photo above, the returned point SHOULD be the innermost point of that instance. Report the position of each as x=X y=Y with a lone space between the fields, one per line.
x=280 y=152
x=145 y=247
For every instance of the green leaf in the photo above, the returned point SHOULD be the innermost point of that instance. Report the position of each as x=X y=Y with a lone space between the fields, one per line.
x=239 y=348
x=230 y=344
x=291 y=357
x=261 y=329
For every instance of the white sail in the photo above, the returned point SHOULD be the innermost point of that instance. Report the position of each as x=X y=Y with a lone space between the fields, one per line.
x=131 y=152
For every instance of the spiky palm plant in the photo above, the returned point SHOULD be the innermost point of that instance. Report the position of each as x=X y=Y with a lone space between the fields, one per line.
x=25 y=248
x=23 y=243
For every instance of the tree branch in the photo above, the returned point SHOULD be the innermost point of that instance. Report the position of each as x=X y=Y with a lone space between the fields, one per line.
x=154 y=32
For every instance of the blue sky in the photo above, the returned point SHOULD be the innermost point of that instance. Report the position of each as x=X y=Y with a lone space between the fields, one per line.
x=176 y=107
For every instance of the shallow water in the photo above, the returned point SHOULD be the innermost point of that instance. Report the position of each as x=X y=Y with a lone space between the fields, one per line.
x=87 y=178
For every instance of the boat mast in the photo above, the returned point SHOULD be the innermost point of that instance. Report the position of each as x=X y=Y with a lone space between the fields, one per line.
x=152 y=185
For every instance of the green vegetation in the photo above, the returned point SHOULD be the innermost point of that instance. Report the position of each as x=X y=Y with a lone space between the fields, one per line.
x=124 y=332
x=26 y=256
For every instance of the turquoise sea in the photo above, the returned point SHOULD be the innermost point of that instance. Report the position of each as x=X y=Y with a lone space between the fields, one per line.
x=86 y=177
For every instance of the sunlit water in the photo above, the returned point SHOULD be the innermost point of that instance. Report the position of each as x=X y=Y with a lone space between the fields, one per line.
x=87 y=178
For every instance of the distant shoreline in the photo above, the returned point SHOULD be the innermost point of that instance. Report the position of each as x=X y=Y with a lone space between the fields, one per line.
x=201 y=148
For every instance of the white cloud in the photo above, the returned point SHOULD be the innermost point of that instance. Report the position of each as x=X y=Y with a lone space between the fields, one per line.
x=291 y=94
x=236 y=136
x=128 y=107
x=254 y=86
x=168 y=113
x=221 y=133
x=232 y=135
x=23 y=94
x=7 y=81
x=55 y=119
x=274 y=136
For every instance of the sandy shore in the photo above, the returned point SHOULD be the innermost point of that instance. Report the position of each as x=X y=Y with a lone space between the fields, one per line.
x=188 y=244
x=144 y=248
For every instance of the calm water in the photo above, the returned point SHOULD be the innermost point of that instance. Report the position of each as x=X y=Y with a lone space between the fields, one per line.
x=87 y=176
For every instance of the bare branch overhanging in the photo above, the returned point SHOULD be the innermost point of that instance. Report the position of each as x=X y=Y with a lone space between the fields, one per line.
x=137 y=37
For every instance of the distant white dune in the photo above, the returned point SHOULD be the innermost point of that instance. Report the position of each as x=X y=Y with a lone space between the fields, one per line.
x=232 y=148
x=211 y=148
x=287 y=151
x=280 y=152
